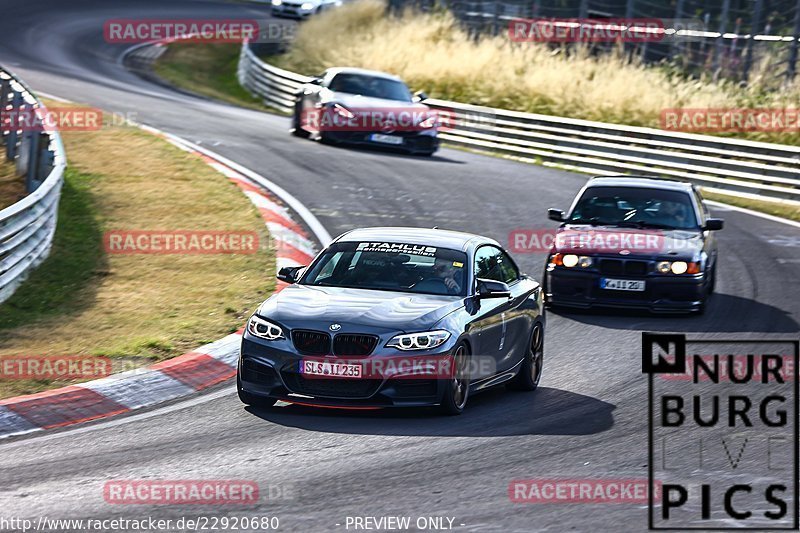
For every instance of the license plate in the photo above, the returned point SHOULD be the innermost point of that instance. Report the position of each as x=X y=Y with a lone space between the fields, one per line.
x=386 y=139
x=320 y=368
x=621 y=284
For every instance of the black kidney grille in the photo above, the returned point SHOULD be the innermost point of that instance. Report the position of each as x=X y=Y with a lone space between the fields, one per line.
x=611 y=266
x=311 y=342
x=346 y=344
x=636 y=268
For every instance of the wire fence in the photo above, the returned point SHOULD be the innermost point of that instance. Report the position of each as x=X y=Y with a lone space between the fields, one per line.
x=734 y=39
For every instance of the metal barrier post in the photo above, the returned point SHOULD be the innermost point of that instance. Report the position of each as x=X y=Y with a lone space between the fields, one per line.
x=13 y=133
x=32 y=174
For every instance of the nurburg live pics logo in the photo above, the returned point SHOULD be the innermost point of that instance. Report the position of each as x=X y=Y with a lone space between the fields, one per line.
x=723 y=443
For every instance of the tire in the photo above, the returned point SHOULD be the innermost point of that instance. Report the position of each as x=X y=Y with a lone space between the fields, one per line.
x=456 y=392
x=547 y=304
x=709 y=291
x=712 y=284
x=251 y=399
x=530 y=371
x=326 y=138
x=296 y=130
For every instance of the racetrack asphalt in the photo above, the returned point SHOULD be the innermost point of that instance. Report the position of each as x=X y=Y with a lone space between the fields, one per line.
x=588 y=420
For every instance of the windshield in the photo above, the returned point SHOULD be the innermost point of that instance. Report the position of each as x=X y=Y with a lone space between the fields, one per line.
x=392 y=267
x=635 y=207
x=371 y=86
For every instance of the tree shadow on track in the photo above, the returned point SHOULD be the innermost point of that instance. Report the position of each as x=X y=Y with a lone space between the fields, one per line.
x=725 y=313
x=495 y=413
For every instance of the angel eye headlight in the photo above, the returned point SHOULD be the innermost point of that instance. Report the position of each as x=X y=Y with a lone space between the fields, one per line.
x=264 y=329
x=663 y=267
x=419 y=341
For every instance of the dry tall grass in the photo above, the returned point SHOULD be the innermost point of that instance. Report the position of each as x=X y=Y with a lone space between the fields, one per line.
x=432 y=53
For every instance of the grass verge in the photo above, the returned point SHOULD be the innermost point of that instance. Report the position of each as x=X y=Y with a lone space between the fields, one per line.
x=12 y=187
x=206 y=69
x=135 y=309
x=790 y=212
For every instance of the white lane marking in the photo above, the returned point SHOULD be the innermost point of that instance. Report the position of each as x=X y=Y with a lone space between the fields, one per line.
x=758 y=214
x=308 y=217
x=259 y=200
x=783 y=240
x=282 y=234
x=185 y=404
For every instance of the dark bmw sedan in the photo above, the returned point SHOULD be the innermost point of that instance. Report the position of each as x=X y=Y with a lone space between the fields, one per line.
x=395 y=317
x=633 y=242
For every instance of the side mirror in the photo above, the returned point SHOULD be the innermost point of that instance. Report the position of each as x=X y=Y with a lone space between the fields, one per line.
x=714 y=224
x=289 y=274
x=316 y=81
x=419 y=96
x=489 y=288
x=555 y=214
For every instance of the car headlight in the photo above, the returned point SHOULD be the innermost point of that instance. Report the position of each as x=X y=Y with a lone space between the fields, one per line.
x=419 y=341
x=571 y=260
x=263 y=329
x=337 y=108
x=277 y=2
x=307 y=6
x=677 y=267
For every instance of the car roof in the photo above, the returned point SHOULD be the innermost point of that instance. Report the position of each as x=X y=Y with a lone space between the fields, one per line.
x=440 y=238
x=644 y=182
x=352 y=70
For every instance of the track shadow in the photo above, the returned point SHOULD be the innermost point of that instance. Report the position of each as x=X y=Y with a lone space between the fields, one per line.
x=494 y=413
x=394 y=153
x=725 y=313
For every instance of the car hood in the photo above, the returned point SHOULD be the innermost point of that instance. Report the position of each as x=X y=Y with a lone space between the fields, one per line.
x=357 y=102
x=304 y=305
x=584 y=239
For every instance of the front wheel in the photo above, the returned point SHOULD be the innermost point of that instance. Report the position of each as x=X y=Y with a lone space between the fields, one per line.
x=251 y=399
x=457 y=389
x=297 y=129
x=530 y=372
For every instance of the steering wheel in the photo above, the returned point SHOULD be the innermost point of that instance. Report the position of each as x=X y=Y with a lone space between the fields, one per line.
x=433 y=281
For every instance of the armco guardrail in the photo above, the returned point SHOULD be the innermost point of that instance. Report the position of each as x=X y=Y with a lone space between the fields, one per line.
x=719 y=164
x=27 y=227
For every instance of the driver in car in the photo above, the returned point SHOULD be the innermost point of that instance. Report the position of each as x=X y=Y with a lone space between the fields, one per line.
x=451 y=275
x=673 y=214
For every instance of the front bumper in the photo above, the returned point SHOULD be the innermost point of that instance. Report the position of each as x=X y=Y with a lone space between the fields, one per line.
x=663 y=293
x=413 y=142
x=270 y=372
